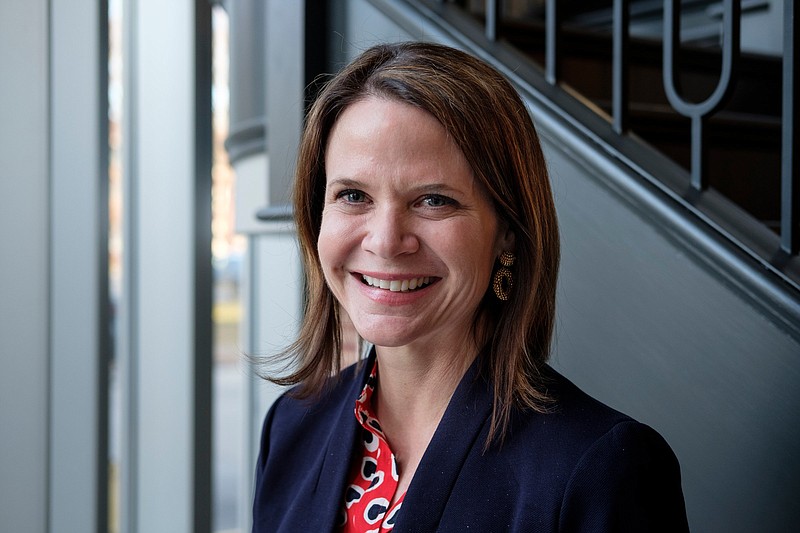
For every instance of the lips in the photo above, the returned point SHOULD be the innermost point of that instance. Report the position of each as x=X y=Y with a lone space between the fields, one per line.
x=397 y=285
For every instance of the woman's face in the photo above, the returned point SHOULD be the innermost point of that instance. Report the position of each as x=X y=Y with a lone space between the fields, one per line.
x=408 y=237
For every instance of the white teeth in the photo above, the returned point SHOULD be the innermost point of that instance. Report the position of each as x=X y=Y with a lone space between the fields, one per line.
x=396 y=285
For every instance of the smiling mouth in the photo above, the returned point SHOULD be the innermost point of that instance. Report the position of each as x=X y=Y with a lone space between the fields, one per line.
x=397 y=285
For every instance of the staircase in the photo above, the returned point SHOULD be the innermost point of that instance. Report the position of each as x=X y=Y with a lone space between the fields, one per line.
x=678 y=304
x=743 y=138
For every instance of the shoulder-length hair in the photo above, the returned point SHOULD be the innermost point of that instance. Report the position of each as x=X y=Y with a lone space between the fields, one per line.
x=488 y=121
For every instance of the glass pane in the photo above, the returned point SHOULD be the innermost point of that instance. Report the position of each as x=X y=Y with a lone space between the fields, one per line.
x=115 y=248
x=228 y=251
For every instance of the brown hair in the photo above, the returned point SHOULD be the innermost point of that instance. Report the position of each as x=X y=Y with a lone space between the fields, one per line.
x=488 y=121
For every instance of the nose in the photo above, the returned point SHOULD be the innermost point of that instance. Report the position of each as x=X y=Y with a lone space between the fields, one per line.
x=390 y=233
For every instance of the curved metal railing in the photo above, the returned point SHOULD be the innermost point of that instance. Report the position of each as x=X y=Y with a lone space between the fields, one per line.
x=698 y=113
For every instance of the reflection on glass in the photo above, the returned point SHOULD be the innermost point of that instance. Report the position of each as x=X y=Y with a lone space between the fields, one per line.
x=228 y=250
x=115 y=250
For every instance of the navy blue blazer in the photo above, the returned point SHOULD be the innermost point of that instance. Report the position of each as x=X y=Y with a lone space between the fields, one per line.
x=582 y=468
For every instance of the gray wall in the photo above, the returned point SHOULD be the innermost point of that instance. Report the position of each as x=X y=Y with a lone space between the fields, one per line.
x=648 y=329
x=649 y=323
x=24 y=276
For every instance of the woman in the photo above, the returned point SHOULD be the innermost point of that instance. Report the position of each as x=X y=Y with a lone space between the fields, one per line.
x=424 y=213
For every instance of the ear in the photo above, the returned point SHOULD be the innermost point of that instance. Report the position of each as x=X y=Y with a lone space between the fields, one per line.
x=506 y=239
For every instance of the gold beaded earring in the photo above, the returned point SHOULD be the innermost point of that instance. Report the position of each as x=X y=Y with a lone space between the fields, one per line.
x=503 y=280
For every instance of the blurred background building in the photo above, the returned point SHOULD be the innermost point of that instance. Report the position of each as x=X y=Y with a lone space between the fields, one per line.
x=146 y=152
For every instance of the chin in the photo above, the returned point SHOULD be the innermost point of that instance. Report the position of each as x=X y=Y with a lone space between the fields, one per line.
x=387 y=337
x=387 y=341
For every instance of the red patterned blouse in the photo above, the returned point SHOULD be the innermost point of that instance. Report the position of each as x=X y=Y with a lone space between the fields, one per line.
x=373 y=474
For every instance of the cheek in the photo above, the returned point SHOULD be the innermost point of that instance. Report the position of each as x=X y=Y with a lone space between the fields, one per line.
x=473 y=249
x=326 y=248
x=335 y=239
x=328 y=260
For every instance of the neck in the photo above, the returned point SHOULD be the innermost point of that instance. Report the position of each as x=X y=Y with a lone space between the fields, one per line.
x=412 y=395
x=415 y=382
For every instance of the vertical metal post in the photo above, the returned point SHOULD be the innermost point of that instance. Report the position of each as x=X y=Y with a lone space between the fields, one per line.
x=552 y=40
x=284 y=84
x=620 y=66
x=699 y=112
x=126 y=342
x=167 y=302
x=790 y=205
x=247 y=129
x=492 y=19
x=316 y=28
x=79 y=304
x=202 y=429
x=699 y=160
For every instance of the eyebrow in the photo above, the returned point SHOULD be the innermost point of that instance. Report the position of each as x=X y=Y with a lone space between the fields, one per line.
x=347 y=182
x=424 y=188
x=436 y=187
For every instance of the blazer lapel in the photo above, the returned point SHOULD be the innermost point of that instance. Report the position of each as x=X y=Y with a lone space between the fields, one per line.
x=334 y=471
x=461 y=426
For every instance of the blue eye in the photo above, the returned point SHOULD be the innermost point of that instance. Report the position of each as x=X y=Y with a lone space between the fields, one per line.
x=436 y=200
x=352 y=196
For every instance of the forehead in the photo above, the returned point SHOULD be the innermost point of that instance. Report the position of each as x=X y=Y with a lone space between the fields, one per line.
x=378 y=110
x=378 y=136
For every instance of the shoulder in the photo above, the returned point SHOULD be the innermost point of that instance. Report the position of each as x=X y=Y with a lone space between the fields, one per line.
x=609 y=469
x=294 y=427
x=628 y=480
x=581 y=466
x=336 y=389
x=573 y=422
x=291 y=416
x=578 y=429
x=304 y=445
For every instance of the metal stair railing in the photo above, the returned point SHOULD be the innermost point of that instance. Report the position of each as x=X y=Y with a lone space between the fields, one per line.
x=785 y=252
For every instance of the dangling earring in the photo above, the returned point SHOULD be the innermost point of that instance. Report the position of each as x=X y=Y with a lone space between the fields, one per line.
x=503 y=280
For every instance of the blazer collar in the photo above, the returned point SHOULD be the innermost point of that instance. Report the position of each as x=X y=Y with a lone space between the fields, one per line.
x=459 y=431
x=335 y=470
